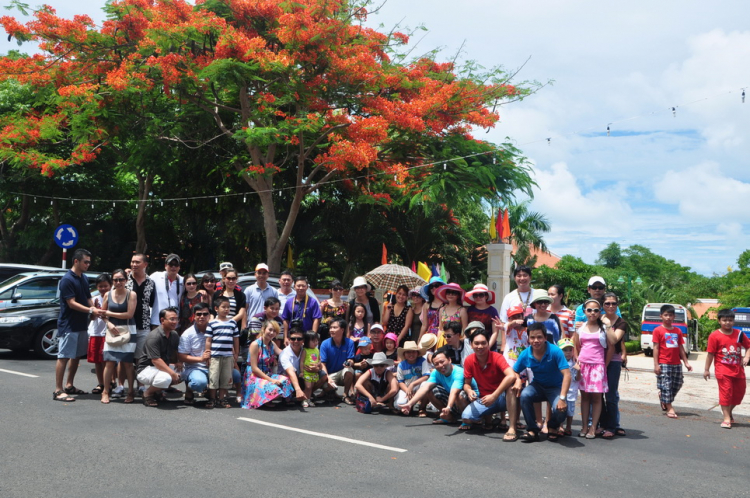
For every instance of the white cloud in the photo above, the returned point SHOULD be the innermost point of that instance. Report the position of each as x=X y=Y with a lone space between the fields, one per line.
x=704 y=194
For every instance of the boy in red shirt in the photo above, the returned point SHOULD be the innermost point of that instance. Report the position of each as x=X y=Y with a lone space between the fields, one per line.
x=668 y=351
x=726 y=346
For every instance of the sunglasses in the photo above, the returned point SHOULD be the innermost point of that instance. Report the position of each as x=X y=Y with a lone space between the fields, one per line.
x=191 y=283
x=592 y=310
x=449 y=336
x=119 y=279
x=205 y=313
x=610 y=304
x=296 y=339
x=453 y=293
x=231 y=278
x=173 y=264
x=598 y=287
x=338 y=288
x=209 y=281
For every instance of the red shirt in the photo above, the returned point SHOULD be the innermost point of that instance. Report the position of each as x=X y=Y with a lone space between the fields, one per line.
x=727 y=352
x=670 y=342
x=489 y=377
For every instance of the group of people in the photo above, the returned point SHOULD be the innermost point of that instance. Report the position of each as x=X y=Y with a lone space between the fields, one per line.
x=430 y=353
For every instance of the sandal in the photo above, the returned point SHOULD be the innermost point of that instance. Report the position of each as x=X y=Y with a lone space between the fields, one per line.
x=503 y=426
x=210 y=403
x=553 y=436
x=98 y=389
x=608 y=435
x=726 y=425
x=422 y=414
x=189 y=400
x=74 y=390
x=224 y=403
x=306 y=404
x=590 y=436
x=528 y=437
x=441 y=421
x=520 y=426
x=672 y=415
x=61 y=396
x=509 y=437
x=150 y=401
x=464 y=426
x=621 y=432
x=348 y=400
x=130 y=397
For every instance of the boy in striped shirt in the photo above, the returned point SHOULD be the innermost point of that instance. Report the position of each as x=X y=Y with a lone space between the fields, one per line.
x=223 y=342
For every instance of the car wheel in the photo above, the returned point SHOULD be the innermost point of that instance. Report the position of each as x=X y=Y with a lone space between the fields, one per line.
x=648 y=352
x=45 y=343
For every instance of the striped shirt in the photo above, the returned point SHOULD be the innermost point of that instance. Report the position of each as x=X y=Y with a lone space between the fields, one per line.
x=567 y=321
x=222 y=336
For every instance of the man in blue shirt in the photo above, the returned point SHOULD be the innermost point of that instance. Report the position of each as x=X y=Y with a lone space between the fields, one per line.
x=256 y=294
x=337 y=357
x=550 y=384
x=302 y=307
x=444 y=389
x=72 y=324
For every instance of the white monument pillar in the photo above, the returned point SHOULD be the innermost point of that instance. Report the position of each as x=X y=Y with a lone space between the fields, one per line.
x=498 y=271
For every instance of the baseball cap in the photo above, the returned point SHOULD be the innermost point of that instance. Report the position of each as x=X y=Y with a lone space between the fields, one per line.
x=365 y=341
x=596 y=279
x=564 y=343
x=261 y=266
x=225 y=265
x=172 y=258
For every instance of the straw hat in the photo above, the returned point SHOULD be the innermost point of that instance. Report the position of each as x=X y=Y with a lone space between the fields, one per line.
x=410 y=346
x=428 y=341
x=380 y=359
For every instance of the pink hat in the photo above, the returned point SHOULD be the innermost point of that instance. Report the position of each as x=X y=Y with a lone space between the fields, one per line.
x=391 y=336
x=440 y=292
x=480 y=289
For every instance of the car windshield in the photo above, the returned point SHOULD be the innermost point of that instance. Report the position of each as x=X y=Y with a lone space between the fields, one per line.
x=12 y=280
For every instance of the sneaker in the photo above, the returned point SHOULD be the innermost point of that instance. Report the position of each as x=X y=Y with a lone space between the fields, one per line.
x=117 y=392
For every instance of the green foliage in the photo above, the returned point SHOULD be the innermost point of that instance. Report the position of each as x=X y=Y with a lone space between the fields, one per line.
x=632 y=346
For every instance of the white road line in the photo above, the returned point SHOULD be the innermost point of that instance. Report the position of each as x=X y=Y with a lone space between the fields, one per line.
x=19 y=373
x=320 y=434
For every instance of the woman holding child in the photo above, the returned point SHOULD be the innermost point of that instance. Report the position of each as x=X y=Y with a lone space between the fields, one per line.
x=262 y=384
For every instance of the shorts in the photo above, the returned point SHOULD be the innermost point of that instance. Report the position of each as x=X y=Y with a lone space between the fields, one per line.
x=731 y=389
x=153 y=377
x=338 y=377
x=442 y=395
x=220 y=372
x=402 y=399
x=73 y=345
x=96 y=347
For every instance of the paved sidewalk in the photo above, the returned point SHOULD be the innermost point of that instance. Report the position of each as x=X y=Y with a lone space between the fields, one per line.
x=639 y=384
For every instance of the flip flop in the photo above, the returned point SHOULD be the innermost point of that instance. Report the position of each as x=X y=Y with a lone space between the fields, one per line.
x=725 y=425
x=528 y=437
x=464 y=426
x=621 y=433
x=74 y=390
x=129 y=398
x=61 y=396
x=608 y=435
x=441 y=421
x=672 y=415
x=422 y=414
x=509 y=437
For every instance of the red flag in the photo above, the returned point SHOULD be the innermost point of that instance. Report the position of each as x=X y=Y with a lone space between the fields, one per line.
x=506 y=224
x=499 y=225
x=384 y=260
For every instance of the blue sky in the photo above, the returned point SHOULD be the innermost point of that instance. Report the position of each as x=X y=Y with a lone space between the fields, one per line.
x=676 y=184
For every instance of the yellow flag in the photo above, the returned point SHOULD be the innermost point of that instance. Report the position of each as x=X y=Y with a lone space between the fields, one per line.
x=493 y=230
x=289 y=258
x=424 y=271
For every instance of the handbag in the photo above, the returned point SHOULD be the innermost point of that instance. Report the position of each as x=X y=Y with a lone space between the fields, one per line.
x=117 y=335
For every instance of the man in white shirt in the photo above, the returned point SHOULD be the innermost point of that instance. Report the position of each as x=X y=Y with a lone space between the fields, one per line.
x=285 y=287
x=192 y=352
x=289 y=360
x=168 y=286
x=256 y=294
x=522 y=295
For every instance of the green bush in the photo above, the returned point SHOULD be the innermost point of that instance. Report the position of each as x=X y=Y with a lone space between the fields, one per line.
x=633 y=346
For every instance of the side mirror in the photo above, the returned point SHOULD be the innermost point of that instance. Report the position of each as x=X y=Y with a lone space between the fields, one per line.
x=16 y=297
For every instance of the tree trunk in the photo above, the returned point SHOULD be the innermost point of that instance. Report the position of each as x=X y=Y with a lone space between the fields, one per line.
x=144 y=187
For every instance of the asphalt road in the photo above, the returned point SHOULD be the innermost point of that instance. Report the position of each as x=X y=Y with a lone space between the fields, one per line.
x=86 y=449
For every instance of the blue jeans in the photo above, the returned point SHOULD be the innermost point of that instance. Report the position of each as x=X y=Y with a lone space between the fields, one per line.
x=612 y=398
x=535 y=393
x=197 y=379
x=476 y=410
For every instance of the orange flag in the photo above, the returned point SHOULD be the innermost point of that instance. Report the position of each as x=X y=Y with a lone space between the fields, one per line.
x=499 y=225
x=506 y=224
x=384 y=260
